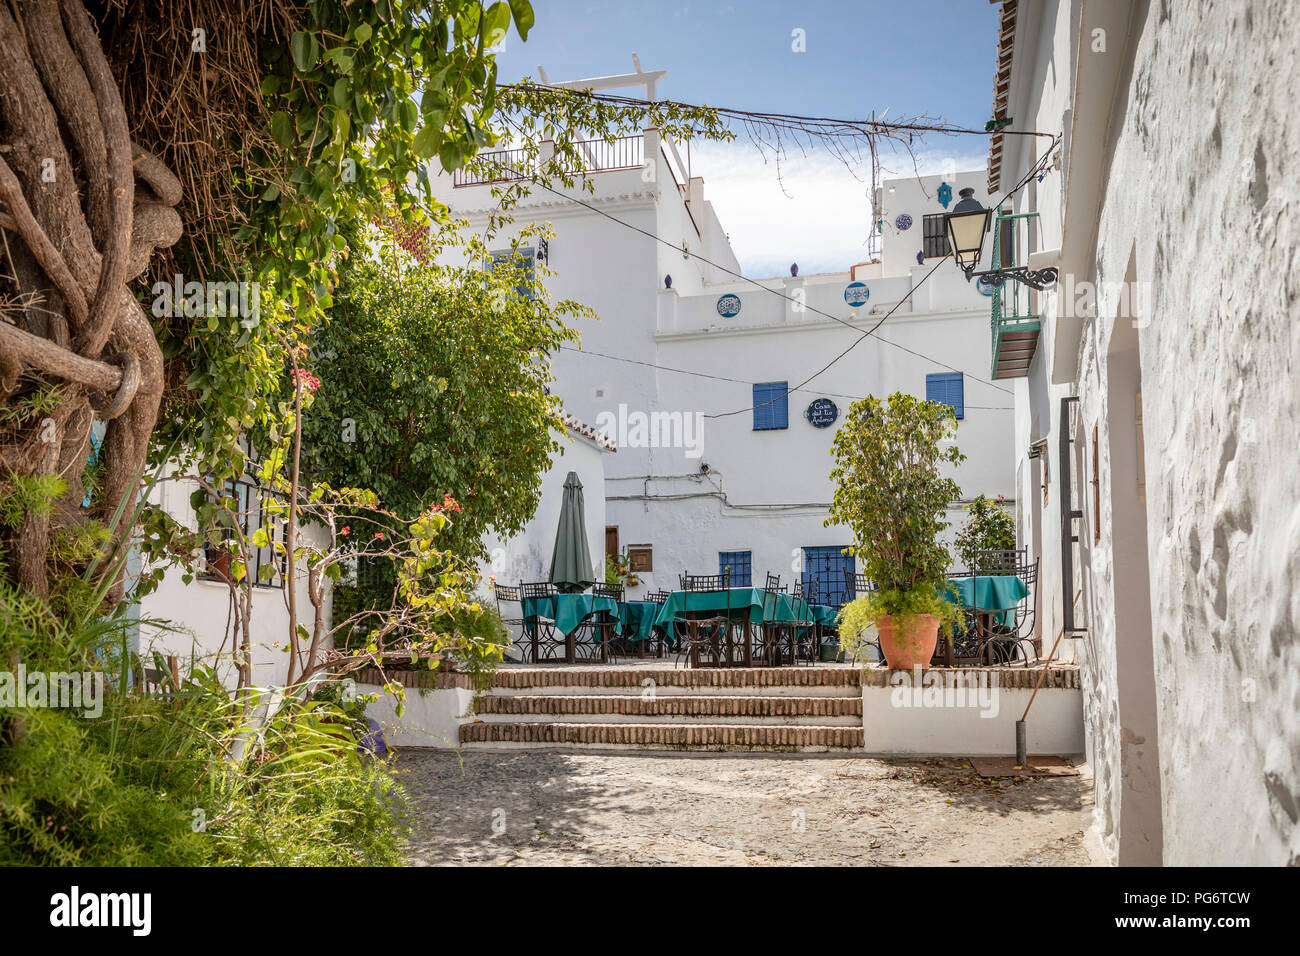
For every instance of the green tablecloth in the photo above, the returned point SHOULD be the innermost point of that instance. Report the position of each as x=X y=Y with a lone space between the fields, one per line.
x=566 y=610
x=989 y=592
x=756 y=604
x=824 y=614
x=636 y=619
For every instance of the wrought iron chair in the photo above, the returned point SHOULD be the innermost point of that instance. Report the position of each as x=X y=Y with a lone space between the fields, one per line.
x=855 y=585
x=589 y=639
x=1004 y=642
x=982 y=636
x=506 y=596
x=779 y=638
x=545 y=641
x=657 y=597
x=808 y=641
x=712 y=634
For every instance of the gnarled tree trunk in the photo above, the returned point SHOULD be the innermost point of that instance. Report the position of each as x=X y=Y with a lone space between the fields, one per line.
x=81 y=211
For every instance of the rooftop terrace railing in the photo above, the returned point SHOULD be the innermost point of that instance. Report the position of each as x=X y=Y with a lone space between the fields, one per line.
x=594 y=156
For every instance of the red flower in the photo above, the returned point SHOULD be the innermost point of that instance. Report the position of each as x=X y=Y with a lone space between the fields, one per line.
x=379 y=535
x=449 y=503
x=307 y=380
x=347 y=529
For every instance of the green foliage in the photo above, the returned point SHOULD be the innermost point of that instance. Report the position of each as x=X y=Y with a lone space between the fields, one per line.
x=30 y=494
x=354 y=106
x=434 y=382
x=618 y=570
x=857 y=617
x=890 y=493
x=154 y=780
x=988 y=528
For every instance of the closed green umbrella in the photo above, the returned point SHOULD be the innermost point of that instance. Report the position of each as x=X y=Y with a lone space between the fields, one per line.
x=571 y=562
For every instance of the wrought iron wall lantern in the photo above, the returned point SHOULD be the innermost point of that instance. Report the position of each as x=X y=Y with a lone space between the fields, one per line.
x=968 y=223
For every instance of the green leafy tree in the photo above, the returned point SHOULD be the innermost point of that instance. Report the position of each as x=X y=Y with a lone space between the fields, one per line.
x=889 y=491
x=435 y=382
x=988 y=528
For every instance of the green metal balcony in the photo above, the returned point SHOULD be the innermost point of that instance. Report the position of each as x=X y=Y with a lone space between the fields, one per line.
x=1015 y=322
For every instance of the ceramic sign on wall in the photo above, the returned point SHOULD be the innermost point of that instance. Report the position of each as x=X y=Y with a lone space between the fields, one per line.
x=728 y=306
x=856 y=293
x=903 y=222
x=822 y=413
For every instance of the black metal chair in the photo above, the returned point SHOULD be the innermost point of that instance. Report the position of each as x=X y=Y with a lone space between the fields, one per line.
x=1005 y=642
x=544 y=640
x=657 y=597
x=505 y=597
x=981 y=636
x=713 y=633
x=857 y=584
x=593 y=639
x=780 y=639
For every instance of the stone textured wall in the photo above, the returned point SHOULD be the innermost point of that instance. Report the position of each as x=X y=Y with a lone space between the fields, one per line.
x=1201 y=195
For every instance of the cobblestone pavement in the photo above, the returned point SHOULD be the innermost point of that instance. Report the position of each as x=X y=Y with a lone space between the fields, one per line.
x=539 y=808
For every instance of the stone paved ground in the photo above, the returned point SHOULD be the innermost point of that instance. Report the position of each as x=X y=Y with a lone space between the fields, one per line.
x=535 y=808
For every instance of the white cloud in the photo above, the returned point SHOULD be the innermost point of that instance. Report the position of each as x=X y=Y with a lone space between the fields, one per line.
x=821 y=219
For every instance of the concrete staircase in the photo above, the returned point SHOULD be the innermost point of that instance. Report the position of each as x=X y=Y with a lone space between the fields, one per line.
x=806 y=709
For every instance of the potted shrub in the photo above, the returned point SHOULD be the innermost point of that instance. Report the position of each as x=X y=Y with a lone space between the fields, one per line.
x=889 y=492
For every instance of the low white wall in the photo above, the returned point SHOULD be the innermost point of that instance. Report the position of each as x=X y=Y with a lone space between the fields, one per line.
x=896 y=720
x=431 y=718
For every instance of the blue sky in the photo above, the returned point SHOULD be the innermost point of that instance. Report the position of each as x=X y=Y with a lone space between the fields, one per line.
x=911 y=56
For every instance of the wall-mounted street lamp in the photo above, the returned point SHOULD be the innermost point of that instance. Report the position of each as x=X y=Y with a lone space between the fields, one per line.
x=967 y=225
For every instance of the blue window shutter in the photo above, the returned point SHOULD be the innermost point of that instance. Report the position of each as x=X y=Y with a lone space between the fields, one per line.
x=947 y=388
x=771 y=406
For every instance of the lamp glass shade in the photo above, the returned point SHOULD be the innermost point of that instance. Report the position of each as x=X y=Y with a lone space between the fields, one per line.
x=967 y=224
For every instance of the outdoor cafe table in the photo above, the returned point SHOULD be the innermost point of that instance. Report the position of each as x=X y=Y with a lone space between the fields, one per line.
x=989 y=592
x=992 y=597
x=755 y=606
x=824 y=614
x=636 y=619
x=568 y=611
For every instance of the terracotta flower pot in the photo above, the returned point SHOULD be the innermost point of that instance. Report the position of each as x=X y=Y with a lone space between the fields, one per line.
x=908 y=642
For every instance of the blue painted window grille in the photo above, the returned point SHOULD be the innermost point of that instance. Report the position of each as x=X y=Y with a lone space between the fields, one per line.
x=742 y=567
x=525 y=257
x=827 y=565
x=246 y=504
x=771 y=406
x=947 y=388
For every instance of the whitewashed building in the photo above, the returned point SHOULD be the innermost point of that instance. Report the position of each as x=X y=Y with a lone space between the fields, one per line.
x=695 y=374
x=1156 y=403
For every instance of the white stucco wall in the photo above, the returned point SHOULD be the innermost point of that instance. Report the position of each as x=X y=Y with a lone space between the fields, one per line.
x=1198 y=175
x=1211 y=114
x=527 y=555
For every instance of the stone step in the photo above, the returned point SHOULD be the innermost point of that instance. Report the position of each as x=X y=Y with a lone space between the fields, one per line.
x=660 y=736
x=669 y=681
x=680 y=708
